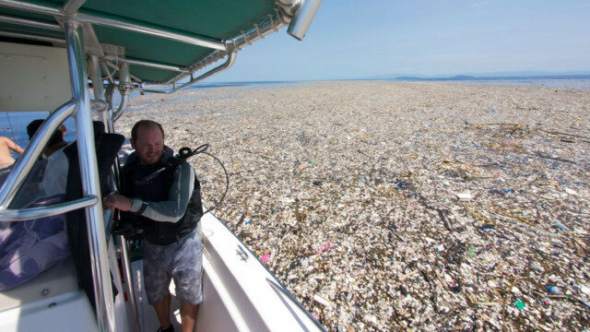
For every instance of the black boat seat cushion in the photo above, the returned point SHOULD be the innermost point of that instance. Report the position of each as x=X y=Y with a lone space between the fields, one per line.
x=107 y=147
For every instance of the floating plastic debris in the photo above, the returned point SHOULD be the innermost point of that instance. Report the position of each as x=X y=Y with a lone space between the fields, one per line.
x=436 y=209
x=537 y=267
x=322 y=249
x=465 y=196
x=561 y=226
x=321 y=300
x=554 y=290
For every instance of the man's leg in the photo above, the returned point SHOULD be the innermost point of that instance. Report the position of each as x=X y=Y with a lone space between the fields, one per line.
x=188 y=316
x=163 y=312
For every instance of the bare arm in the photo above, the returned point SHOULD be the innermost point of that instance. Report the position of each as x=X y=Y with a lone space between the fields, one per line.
x=14 y=147
x=11 y=145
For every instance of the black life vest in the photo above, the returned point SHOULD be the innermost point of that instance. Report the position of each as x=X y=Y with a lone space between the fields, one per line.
x=152 y=183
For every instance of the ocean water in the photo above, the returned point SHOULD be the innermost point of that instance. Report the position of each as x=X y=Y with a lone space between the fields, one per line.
x=253 y=85
x=14 y=126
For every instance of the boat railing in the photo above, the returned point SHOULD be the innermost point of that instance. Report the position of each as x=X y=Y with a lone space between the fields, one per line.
x=80 y=108
x=25 y=163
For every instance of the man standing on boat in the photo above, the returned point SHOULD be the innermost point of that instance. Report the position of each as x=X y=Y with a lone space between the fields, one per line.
x=156 y=190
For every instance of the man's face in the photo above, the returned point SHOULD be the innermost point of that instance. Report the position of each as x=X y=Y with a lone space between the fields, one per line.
x=149 y=145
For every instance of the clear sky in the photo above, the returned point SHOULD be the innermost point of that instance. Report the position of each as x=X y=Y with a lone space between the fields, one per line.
x=369 y=38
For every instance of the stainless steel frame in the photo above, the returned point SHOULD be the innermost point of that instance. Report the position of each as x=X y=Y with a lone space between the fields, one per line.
x=144 y=63
x=53 y=40
x=118 y=23
x=252 y=35
x=87 y=156
x=80 y=107
x=71 y=6
x=304 y=14
x=227 y=64
x=125 y=87
x=30 y=23
x=106 y=116
x=160 y=32
x=25 y=163
x=98 y=88
x=47 y=211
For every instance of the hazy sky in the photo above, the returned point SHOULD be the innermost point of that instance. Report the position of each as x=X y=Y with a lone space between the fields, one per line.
x=367 y=38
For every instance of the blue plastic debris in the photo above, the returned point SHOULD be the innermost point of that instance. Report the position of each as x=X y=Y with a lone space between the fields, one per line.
x=561 y=225
x=553 y=290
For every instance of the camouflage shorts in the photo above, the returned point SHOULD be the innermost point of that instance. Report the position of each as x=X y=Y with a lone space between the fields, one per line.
x=181 y=261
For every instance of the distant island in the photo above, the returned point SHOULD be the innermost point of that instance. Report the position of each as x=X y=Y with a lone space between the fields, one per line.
x=452 y=78
x=483 y=78
x=470 y=76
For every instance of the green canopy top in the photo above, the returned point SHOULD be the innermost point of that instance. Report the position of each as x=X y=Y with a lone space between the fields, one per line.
x=163 y=41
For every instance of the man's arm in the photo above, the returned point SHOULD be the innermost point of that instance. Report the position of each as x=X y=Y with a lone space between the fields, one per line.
x=14 y=147
x=166 y=211
x=11 y=145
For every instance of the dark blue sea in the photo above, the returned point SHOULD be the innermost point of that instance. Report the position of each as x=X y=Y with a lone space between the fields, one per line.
x=13 y=125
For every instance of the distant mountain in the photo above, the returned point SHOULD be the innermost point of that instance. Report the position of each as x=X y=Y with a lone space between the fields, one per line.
x=530 y=73
x=452 y=78
x=484 y=76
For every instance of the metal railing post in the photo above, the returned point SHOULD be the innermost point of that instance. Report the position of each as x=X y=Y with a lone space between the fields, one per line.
x=98 y=89
x=105 y=117
x=126 y=259
x=88 y=168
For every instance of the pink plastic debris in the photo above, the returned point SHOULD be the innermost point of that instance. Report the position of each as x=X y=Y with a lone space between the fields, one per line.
x=328 y=246
x=265 y=258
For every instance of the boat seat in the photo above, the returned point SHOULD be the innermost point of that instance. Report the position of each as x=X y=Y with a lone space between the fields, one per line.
x=58 y=280
x=107 y=148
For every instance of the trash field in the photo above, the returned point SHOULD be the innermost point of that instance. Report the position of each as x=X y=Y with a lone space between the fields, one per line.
x=402 y=206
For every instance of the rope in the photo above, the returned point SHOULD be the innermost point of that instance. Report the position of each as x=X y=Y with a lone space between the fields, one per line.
x=236 y=45
x=11 y=129
x=272 y=23
x=258 y=31
x=245 y=37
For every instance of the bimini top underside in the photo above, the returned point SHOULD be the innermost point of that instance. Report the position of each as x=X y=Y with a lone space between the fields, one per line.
x=161 y=41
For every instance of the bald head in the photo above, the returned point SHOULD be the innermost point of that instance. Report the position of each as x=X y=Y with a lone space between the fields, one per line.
x=147 y=138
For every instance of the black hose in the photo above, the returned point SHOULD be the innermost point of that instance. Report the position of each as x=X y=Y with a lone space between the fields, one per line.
x=226 y=182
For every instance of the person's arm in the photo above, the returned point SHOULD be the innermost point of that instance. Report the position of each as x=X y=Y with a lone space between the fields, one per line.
x=166 y=211
x=14 y=147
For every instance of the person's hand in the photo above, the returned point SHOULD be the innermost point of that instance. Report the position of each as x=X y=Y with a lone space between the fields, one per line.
x=117 y=202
